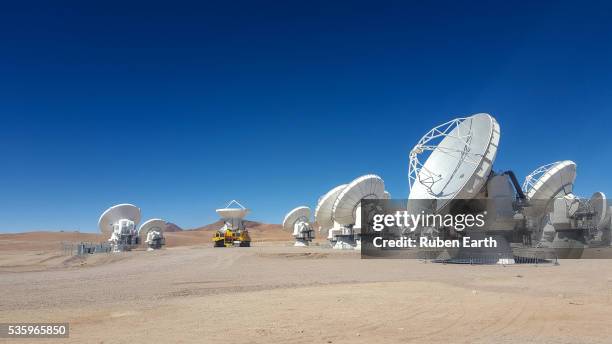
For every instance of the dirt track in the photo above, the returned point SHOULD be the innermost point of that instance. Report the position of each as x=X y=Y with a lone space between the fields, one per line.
x=277 y=293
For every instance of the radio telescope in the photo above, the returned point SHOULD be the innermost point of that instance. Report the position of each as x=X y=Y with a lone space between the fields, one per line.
x=297 y=221
x=550 y=181
x=461 y=155
x=346 y=212
x=234 y=231
x=543 y=187
x=323 y=211
x=458 y=169
x=119 y=224
x=561 y=220
x=151 y=232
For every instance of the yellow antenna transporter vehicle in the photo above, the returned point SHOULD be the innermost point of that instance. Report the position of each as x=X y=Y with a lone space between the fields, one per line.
x=234 y=231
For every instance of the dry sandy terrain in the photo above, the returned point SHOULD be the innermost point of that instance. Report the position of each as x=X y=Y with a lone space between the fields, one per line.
x=275 y=293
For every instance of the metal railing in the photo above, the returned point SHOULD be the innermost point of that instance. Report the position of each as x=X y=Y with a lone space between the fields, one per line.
x=84 y=247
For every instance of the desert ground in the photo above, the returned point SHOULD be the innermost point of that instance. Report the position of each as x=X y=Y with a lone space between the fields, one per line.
x=190 y=292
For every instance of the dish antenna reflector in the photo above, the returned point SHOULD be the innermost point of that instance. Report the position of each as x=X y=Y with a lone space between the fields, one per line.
x=119 y=224
x=346 y=212
x=151 y=232
x=323 y=211
x=298 y=222
x=345 y=207
x=461 y=155
x=548 y=181
x=236 y=212
x=601 y=210
x=116 y=213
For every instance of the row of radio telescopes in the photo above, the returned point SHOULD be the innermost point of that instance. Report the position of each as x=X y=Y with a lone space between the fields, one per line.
x=119 y=223
x=452 y=161
x=338 y=213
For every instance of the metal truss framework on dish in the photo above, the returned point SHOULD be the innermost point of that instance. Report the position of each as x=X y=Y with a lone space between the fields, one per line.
x=452 y=129
x=460 y=159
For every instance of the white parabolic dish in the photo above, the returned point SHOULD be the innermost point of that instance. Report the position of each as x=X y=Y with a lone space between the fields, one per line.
x=295 y=215
x=459 y=165
x=152 y=224
x=323 y=211
x=233 y=213
x=549 y=180
x=599 y=203
x=369 y=186
x=116 y=213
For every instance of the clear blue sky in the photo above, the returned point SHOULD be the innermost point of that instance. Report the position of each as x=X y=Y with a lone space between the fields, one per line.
x=179 y=108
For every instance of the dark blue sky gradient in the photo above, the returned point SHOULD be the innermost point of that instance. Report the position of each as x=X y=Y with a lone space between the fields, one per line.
x=180 y=107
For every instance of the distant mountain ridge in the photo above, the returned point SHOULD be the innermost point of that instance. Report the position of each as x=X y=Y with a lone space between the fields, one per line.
x=249 y=224
x=179 y=237
x=171 y=227
x=259 y=231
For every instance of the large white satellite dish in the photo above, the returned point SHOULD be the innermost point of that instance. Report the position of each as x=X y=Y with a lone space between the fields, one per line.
x=323 y=211
x=549 y=190
x=298 y=214
x=115 y=213
x=237 y=212
x=550 y=180
x=151 y=232
x=158 y=225
x=297 y=221
x=599 y=204
x=461 y=156
x=365 y=187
